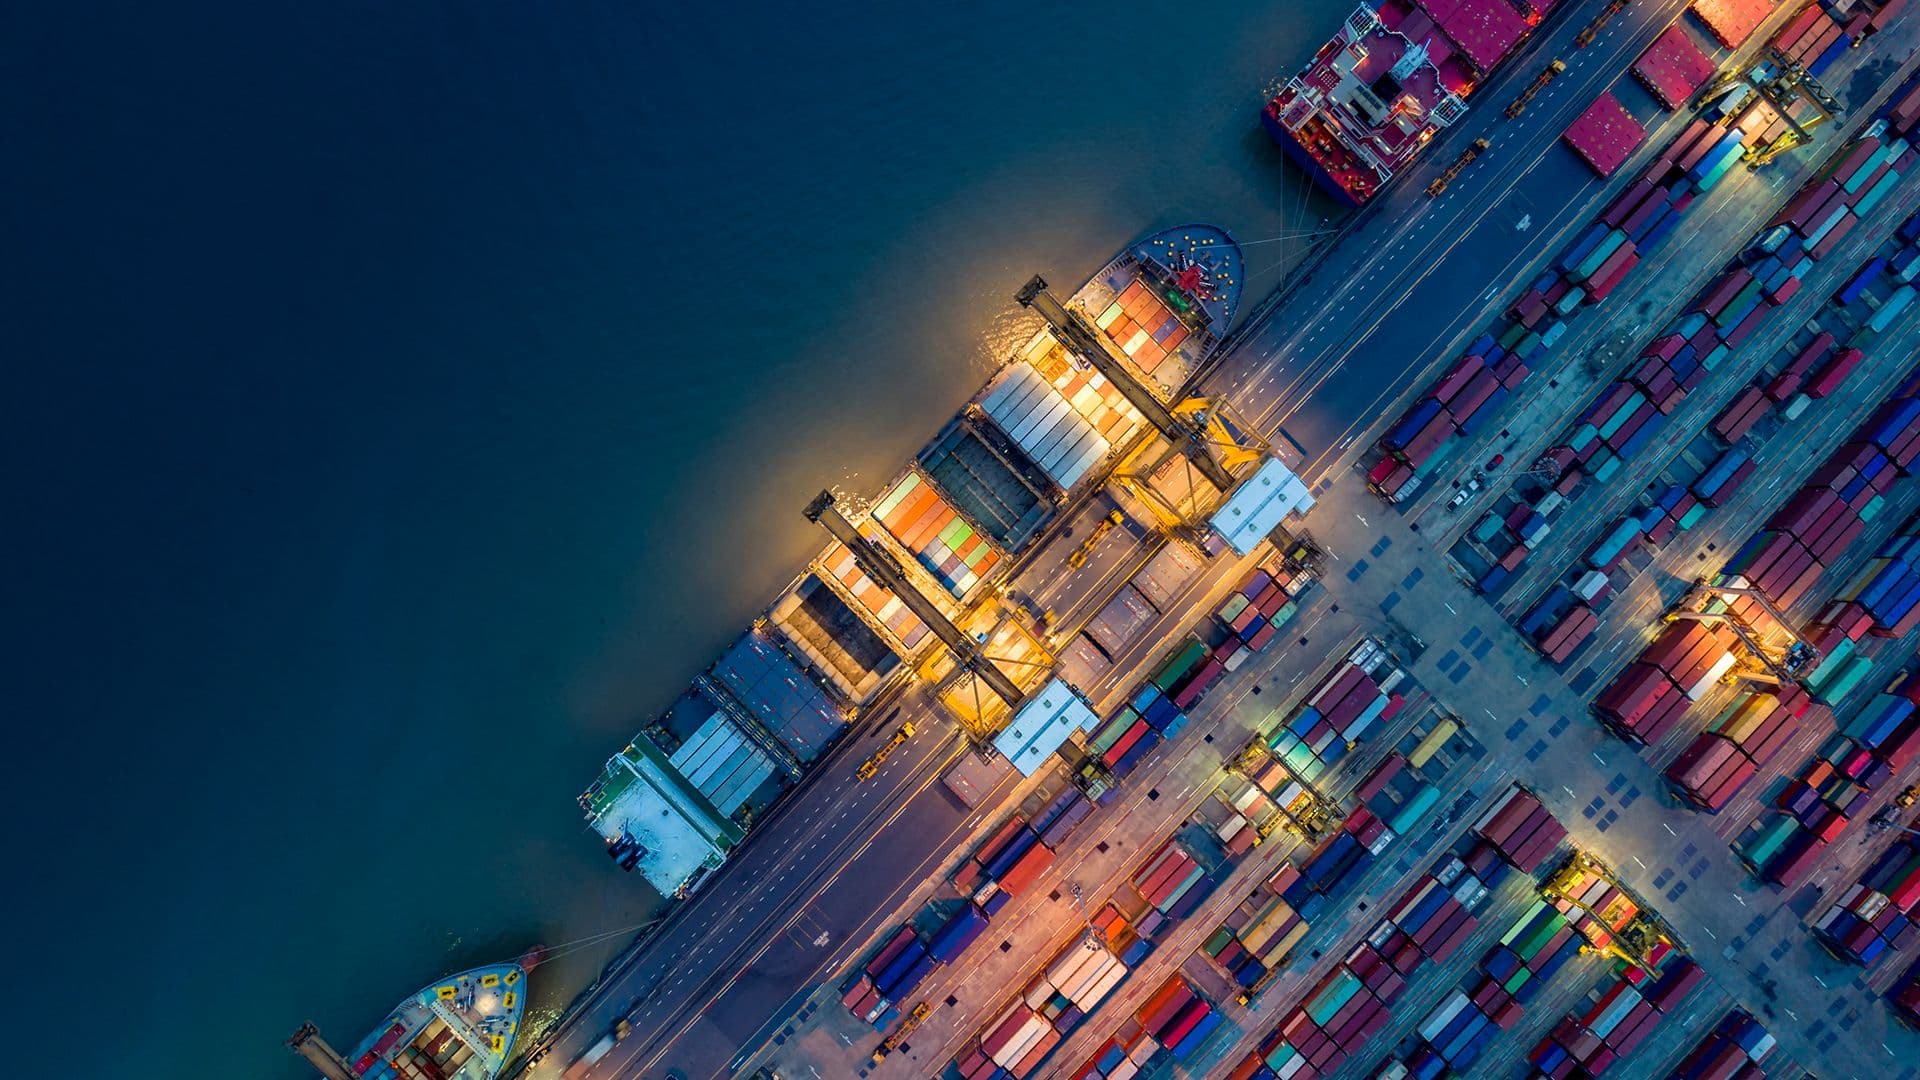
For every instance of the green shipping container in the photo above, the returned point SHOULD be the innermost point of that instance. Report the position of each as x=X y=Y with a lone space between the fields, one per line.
x=1103 y=741
x=1876 y=193
x=1599 y=254
x=1520 y=925
x=1330 y=1001
x=1182 y=662
x=1896 y=304
x=1517 y=980
x=1831 y=664
x=1414 y=809
x=1767 y=842
x=1843 y=684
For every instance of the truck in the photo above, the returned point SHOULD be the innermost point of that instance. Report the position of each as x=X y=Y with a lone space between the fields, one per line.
x=591 y=1055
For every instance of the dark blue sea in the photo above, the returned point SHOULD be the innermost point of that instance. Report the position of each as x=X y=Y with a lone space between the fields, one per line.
x=404 y=400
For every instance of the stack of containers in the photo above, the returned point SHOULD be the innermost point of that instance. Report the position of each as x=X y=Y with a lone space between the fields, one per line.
x=1014 y=1046
x=1734 y=1050
x=1741 y=741
x=1675 y=510
x=1844 y=665
x=1723 y=479
x=961 y=930
x=1362 y=691
x=1176 y=1018
x=1521 y=829
x=1738 y=418
x=1831 y=509
x=1186 y=675
x=1459 y=1029
x=1587 y=271
x=1259 y=934
x=1114 y=1059
x=1264 y=601
x=1592 y=1040
x=1570 y=630
x=1597 y=908
x=1074 y=984
x=1877 y=912
x=1396 y=793
x=1158 y=709
x=1351 y=1003
x=1006 y=863
x=1904 y=996
x=1344 y=1009
x=1817 y=805
x=1794 y=374
x=1724 y=315
x=1649 y=696
x=1532 y=951
x=1853 y=181
x=893 y=973
x=1338 y=862
x=1883 y=599
x=1435 y=917
x=1062 y=814
x=1173 y=883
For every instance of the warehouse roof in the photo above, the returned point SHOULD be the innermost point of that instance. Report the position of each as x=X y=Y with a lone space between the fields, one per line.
x=1257 y=506
x=1042 y=726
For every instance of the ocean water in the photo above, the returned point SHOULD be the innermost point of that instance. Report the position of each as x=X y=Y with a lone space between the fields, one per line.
x=404 y=400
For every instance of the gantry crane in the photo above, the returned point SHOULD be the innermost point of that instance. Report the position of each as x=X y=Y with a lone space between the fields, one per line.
x=1192 y=425
x=1782 y=83
x=881 y=567
x=1782 y=668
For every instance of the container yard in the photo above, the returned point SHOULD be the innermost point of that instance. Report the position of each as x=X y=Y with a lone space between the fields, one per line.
x=1559 y=722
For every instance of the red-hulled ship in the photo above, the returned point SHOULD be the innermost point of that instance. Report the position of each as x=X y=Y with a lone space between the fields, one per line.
x=1374 y=95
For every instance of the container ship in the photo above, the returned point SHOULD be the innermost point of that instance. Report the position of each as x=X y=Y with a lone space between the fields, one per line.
x=460 y=1028
x=954 y=521
x=1373 y=97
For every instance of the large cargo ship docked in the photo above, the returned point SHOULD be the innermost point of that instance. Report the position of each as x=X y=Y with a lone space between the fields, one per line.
x=1048 y=425
x=1373 y=97
x=460 y=1028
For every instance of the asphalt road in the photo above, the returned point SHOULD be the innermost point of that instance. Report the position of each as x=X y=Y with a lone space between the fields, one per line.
x=1358 y=334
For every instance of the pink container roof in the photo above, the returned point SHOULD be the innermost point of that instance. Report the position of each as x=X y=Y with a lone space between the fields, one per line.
x=1606 y=135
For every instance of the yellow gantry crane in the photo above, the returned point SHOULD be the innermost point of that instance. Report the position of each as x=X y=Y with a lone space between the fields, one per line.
x=1784 y=84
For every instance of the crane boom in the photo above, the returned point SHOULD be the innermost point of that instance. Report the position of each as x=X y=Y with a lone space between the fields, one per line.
x=1076 y=335
x=881 y=568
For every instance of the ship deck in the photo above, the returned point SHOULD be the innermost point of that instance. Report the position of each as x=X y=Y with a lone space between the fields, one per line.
x=461 y=1028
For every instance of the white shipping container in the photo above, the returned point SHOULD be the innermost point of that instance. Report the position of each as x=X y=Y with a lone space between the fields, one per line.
x=1438 y=1020
x=1720 y=667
